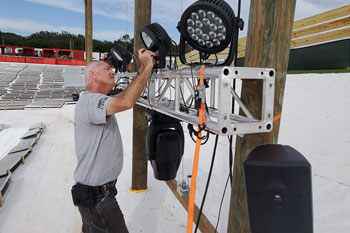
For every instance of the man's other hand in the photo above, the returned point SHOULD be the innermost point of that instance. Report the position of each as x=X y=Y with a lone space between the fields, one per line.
x=147 y=58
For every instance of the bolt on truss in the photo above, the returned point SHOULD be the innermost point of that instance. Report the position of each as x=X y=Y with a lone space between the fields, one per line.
x=173 y=93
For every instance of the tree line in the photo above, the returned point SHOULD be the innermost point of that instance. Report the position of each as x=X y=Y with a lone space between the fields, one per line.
x=66 y=40
x=63 y=40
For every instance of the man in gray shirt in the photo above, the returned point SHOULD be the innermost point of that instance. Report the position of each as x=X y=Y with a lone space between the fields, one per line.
x=98 y=144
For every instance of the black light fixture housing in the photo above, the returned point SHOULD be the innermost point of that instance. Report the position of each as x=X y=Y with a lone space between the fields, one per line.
x=119 y=57
x=155 y=38
x=164 y=144
x=209 y=26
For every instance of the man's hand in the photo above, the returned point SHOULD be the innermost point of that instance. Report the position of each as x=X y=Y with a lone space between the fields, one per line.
x=129 y=96
x=146 y=58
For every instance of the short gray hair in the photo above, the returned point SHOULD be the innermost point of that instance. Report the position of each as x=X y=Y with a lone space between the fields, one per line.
x=91 y=66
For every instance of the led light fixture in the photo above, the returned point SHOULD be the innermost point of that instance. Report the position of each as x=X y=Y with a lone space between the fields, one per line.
x=164 y=144
x=208 y=26
x=119 y=57
x=155 y=38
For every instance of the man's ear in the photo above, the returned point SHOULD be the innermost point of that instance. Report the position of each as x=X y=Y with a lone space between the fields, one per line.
x=92 y=74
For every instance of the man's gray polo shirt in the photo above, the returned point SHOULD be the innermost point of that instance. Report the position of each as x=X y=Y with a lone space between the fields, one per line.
x=98 y=144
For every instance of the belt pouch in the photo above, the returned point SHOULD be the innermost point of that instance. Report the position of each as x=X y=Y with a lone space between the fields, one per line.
x=83 y=195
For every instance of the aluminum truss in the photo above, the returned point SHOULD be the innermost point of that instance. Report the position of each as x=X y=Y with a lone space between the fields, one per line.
x=172 y=93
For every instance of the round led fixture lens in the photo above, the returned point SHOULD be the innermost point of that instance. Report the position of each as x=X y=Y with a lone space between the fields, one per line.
x=213 y=27
x=117 y=56
x=148 y=40
x=221 y=36
x=190 y=30
x=194 y=16
x=216 y=42
x=212 y=35
x=199 y=24
x=222 y=29
x=201 y=42
x=190 y=22
x=202 y=13
x=199 y=32
x=211 y=15
x=206 y=21
x=205 y=37
x=209 y=44
x=218 y=20
x=194 y=37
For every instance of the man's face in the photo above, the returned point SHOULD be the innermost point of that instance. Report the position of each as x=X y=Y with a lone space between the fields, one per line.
x=105 y=75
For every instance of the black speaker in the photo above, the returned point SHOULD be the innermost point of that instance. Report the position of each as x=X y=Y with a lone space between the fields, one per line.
x=278 y=190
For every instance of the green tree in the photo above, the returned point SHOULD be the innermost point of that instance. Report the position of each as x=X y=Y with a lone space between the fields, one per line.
x=46 y=39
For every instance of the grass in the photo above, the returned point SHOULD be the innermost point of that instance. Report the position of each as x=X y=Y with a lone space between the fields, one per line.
x=318 y=71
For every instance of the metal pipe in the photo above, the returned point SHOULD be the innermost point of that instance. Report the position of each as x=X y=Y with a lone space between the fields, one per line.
x=177 y=95
x=240 y=103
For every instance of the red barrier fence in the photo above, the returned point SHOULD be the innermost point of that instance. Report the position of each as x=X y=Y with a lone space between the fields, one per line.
x=51 y=61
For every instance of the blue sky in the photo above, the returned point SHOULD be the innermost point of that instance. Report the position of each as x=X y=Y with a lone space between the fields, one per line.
x=113 y=18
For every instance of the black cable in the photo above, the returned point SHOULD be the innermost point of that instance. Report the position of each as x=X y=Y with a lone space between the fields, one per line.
x=183 y=98
x=170 y=97
x=237 y=32
x=236 y=49
x=148 y=84
x=184 y=105
x=234 y=86
x=230 y=138
x=192 y=131
x=193 y=82
x=208 y=181
x=175 y=63
x=160 y=88
x=216 y=59
x=222 y=199
x=239 y=9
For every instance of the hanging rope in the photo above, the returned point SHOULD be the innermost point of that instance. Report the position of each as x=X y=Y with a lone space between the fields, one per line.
x=196 y=156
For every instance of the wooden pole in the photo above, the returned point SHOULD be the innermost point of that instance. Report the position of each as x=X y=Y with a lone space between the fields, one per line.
x=88 y=30
x=268 y=44
x=71 y=44
x=139 y=160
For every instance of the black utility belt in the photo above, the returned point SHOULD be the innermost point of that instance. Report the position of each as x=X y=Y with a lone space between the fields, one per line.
x=85 y=195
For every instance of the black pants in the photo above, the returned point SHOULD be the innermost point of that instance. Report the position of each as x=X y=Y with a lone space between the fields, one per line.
x=105 y=216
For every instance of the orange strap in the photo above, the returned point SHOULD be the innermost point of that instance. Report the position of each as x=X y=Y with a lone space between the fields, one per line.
x=277 y=117
x=195 y=161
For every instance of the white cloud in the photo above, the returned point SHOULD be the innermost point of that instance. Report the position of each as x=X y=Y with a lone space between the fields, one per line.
x=107 y=8
x=165 y=12
x=169 y=12
x=30 y=26
x=107 y=35
x=71 y=5
x=25 y=26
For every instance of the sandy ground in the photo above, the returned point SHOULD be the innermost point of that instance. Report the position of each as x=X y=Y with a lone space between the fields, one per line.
x=314 y=122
